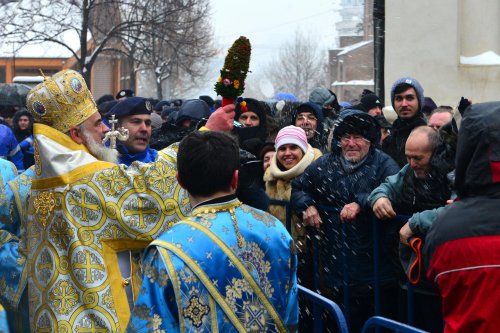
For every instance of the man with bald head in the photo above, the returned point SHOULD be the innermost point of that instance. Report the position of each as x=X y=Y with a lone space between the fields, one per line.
x=417 y=190
x=440 y=117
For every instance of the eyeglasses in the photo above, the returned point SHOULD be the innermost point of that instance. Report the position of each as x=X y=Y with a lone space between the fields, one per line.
x=309 y=117
x=356 y=138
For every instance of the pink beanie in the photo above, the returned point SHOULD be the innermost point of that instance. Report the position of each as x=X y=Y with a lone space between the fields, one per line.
x=292 y=135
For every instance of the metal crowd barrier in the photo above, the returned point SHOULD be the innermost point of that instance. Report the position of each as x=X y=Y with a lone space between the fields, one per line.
x=376 y=258
x=323 y=303
x=376 y=322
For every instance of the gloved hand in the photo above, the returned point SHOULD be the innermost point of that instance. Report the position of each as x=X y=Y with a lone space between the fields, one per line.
x=463 y=104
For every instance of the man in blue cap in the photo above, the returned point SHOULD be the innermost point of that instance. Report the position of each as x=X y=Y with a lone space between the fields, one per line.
x=134 y=114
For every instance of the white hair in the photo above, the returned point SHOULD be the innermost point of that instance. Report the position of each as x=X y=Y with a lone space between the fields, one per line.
x=98 y=150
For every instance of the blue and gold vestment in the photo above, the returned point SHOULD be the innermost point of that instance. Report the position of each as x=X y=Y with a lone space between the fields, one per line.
x=206 y=275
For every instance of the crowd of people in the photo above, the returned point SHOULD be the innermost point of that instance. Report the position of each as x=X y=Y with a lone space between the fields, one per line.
x=129 y=213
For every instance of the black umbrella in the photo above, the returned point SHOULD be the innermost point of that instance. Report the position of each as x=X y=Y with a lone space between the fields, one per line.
x=13 y=94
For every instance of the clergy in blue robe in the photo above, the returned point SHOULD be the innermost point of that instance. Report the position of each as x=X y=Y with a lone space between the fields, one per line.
x=13 y=275
x=228 y=267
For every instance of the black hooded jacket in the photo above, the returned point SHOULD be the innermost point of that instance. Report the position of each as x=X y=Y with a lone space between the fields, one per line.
x=394 y=144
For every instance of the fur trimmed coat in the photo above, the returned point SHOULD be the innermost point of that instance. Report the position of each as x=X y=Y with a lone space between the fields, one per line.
x=279 y=186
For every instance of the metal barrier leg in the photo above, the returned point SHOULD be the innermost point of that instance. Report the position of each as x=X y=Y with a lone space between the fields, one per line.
x=345 y=264
x=325 y=304
x=410 y=302
x=376 y=265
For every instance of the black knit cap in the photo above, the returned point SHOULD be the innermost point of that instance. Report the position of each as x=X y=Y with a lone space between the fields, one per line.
x=369 y=101
x=352 y=121
x=252 y=105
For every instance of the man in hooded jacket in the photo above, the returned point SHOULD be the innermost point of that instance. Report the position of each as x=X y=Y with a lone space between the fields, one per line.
x=462 y=248
x=309 y=117
x=407 y=98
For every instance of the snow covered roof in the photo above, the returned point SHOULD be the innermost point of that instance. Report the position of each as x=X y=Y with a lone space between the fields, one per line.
x=353 y=47
x=488 y=58
x=354 y=83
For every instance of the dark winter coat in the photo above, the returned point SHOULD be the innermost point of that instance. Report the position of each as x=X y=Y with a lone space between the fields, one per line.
x=329 y=182
x=394 y=144
x=462 y=248
x=167 y=134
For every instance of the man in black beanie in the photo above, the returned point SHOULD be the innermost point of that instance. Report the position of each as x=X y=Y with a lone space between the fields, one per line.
x=372 y=104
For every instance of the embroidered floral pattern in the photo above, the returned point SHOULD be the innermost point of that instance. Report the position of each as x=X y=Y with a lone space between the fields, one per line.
x=44 y=204
x=111 y=232
x=112 y=181
x=107 y=300
x=61 y=233
x=162 y=178
x=268 y=219
x=235 y=291
x=253 y=258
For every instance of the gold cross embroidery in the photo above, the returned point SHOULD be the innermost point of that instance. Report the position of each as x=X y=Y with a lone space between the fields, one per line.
x=88 y=266
x=140 y=212
x=83 y=205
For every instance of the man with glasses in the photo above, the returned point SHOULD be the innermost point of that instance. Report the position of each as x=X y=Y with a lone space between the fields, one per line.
x=309 y=117
x=331 y=196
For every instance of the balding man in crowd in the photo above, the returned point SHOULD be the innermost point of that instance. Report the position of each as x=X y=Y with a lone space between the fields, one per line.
x=440 y=116
x=421 y=186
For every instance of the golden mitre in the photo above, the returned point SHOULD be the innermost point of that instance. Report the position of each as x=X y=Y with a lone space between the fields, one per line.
x=61 y=101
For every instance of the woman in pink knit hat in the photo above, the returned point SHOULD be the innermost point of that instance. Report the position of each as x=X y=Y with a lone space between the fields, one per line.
x=293 y=155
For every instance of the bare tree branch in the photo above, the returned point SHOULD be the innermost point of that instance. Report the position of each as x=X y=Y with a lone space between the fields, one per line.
x=299 y=67
x=172 y=36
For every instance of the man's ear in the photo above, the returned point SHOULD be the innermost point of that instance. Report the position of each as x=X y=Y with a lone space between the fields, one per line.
x=179 y=180
x=234 y=180
x=76 y=134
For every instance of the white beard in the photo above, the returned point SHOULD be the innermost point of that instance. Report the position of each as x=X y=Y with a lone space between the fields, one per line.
x=100 y=151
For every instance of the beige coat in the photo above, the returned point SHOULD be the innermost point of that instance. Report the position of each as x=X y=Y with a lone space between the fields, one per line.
x=279 y=186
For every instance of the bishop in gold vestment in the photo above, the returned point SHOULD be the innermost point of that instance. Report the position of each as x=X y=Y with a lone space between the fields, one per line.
x=83 y=211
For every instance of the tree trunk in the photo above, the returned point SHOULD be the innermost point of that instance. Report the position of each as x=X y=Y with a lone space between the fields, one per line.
x=159 y=92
